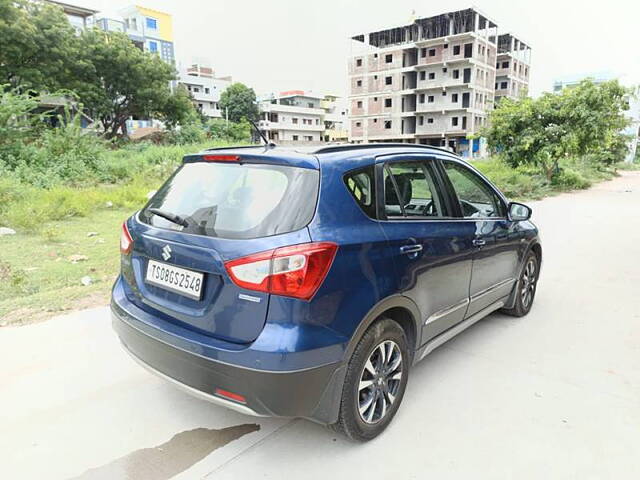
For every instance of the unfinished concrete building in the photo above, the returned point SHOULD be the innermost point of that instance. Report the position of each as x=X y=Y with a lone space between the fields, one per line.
x=430 y=82
x=512 y=67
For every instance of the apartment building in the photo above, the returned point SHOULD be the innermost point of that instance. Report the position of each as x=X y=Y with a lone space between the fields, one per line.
x=80 y=18
x=336 y=119
x=150 y=30
x=430 y=82
x=293 y=116
x=205 y=87
x=512 y=67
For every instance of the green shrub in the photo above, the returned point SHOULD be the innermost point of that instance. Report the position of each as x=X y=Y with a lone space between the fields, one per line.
x=568 y=179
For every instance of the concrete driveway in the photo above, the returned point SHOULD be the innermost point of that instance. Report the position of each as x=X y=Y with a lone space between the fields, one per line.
x=553 y=395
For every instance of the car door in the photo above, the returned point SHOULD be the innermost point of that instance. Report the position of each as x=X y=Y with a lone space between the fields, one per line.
x=496 y=240
x=432 y=261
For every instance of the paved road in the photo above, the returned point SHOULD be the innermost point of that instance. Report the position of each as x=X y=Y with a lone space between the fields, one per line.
x=552 y=395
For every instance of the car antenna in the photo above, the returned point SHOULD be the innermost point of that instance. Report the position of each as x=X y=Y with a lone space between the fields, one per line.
x=262 y=135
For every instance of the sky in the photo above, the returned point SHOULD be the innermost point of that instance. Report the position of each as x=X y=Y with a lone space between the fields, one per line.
x=280 y=45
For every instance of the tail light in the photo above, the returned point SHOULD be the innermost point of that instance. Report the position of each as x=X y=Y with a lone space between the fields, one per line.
x=296 y=271
x=126 y=242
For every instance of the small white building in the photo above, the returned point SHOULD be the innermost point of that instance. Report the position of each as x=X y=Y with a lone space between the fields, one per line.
x=292 y=117
x=205 y=88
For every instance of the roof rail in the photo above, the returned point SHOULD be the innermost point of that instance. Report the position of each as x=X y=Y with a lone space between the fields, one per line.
x=363 y=146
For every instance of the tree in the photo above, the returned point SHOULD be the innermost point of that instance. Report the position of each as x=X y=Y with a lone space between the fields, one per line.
x=39 y=49
x=240 y=102
x=585 y=120
x=179 y=109
x=126 y=82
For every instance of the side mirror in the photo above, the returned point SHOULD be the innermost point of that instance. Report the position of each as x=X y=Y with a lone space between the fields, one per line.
x=519 y=212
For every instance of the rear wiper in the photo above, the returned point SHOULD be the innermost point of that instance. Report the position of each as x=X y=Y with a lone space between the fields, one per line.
x=172 y=217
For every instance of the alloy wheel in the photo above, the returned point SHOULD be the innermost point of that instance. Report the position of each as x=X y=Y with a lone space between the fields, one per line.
x=380 y=381
x=528 y=284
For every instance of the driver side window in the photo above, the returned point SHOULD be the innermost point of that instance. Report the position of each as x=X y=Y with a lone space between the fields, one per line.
x=477 y=199
x=410 y=191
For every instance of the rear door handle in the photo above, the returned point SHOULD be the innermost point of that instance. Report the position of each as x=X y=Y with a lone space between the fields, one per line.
x=411 y=248
x=478 y=242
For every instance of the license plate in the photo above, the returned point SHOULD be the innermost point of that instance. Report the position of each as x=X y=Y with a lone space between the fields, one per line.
x=178 y=280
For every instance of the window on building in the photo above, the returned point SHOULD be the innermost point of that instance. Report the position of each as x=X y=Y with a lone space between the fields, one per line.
x=375 y=77
x=359 y=104
x=375 y=99
x=295 y=138
x=387 y=124
x=358 y=83
x=387 y=103
x=388 y=58
x=153 y=46
x=359 y=62
x=454 y=121
x=431 y=99
x=430 y=120
x=358 y=124
x=496 y=86
x=206 y=90
x=294 y=120
x=421 y=120
x=456 y=49
x=423 y=75
x=375 y=120
x=432 y=75
x=152 y=23
x=456 y=73
x=388 y=80
x=421 y=98
x=446 y=45
x=454 y=97
x=432 y=52
x=505 y=64
x=308 y=138
x=444 y=94
x=423 y=52
x=196 y=89
x=444 y=70
x=310 y=105
x=503 y=85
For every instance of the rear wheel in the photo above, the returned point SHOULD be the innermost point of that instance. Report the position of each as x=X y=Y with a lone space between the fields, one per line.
x=526 y=287
x=375 y=381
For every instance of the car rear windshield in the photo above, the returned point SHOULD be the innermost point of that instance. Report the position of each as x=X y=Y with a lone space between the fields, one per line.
x=238 y=201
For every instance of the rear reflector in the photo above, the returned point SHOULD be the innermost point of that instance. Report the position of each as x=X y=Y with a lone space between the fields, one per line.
x=221 y=158
x=296 y=271
x=126 y=242
x=230 y=395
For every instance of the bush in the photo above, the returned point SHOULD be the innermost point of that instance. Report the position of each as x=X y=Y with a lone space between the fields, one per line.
x=568 y=179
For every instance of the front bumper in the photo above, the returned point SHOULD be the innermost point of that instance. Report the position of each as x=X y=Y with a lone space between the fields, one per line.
x=310 y=393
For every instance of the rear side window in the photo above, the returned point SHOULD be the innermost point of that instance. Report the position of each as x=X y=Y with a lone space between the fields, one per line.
x=237 y=201
x=362 y=186
x=410 y=191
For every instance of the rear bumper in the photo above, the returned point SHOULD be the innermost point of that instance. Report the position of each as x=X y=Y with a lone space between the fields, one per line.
x=310 y=393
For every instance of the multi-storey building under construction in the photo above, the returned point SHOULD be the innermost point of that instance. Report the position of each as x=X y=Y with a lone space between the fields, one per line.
x=431 y=82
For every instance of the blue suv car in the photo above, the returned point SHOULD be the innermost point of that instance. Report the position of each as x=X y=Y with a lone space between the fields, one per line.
x=280 y=282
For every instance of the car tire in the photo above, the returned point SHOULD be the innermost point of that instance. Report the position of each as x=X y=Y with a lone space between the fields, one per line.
x=526 y=287
x=375 y=382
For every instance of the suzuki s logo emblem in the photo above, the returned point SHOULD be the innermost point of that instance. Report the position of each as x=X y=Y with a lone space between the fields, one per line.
x=166 y=252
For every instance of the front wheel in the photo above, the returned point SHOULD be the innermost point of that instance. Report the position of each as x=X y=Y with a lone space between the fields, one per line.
x=526 y=287
x=375 y=381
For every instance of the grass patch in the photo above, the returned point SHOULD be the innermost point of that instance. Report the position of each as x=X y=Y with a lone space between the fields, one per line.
x=36 y=274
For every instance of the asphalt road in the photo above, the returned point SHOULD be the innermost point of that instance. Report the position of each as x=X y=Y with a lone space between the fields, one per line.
x=553 y=395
